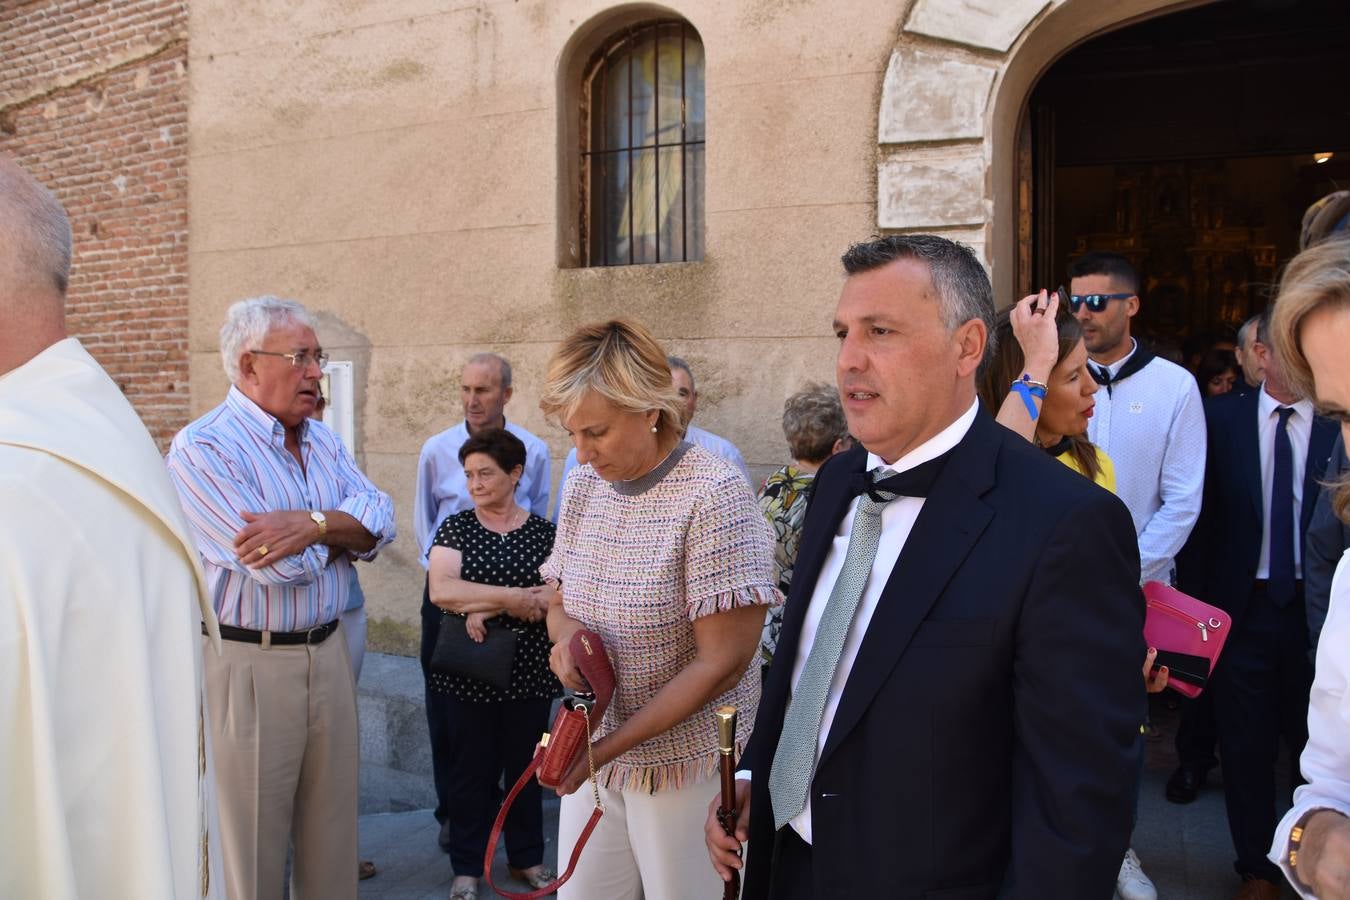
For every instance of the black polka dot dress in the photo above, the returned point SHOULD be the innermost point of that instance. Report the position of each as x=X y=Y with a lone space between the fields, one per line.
x=502 y=560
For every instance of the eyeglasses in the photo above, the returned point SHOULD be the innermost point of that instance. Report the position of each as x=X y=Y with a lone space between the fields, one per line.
x=1094 y=302
x=299 y=359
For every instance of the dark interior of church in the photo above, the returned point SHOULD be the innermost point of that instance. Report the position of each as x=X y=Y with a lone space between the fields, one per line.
x=1192 y=143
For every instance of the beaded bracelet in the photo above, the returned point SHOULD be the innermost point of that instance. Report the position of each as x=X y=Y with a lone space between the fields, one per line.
x=1026 y=388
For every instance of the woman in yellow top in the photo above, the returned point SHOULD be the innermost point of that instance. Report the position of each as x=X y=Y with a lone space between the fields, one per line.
x=1038 y=384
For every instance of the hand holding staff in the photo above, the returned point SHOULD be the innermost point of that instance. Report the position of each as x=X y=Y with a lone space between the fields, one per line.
x=726 y=810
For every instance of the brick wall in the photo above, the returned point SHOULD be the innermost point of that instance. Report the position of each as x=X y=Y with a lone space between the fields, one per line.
x=93 y=102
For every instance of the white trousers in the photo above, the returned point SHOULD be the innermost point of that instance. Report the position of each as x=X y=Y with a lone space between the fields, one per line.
x=646 y=847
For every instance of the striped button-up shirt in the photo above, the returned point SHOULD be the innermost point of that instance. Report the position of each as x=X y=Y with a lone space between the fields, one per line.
x=234 y=459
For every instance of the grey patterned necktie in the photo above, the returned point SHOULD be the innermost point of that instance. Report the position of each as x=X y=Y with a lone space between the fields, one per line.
x=794 y=762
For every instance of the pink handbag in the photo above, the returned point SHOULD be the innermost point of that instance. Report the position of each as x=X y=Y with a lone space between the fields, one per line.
x=1188 y=634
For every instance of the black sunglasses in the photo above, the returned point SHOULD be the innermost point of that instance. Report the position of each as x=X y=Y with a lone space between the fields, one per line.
x=1095 y=302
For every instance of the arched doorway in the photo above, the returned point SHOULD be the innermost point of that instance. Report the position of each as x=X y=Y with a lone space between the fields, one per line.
x=1189 y=142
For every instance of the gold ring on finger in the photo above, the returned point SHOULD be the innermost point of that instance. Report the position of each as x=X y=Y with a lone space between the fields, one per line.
x=262 y=550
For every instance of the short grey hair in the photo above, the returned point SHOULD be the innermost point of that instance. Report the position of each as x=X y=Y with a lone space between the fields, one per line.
x=247 y=323
x=1263 y=320
x=1245 y=332
x=963 y=288
x=34 y=228
x=503 y=365
x=813 y=420
x=677 y=362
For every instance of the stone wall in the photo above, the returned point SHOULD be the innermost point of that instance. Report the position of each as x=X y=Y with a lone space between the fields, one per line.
x=93 y=102
x=401 y=167
x=395 y=166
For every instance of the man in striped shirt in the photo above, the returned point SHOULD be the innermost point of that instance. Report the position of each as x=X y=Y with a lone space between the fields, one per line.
x=280 y=512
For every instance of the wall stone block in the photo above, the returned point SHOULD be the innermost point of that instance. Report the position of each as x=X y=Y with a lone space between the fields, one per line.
x=932 y=190
x=992 y=24
x=932 y=96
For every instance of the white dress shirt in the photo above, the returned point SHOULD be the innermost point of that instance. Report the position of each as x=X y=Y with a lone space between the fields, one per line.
x=443 y=491
x=1326 y=758
x=897 y=518
x=1300 y=432
x=1152 y=425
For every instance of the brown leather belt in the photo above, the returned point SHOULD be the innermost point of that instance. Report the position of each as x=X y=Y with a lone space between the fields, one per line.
x=316 y=635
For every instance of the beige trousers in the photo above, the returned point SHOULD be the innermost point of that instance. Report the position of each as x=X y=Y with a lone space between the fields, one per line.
x=646 y=847
x=283 y=727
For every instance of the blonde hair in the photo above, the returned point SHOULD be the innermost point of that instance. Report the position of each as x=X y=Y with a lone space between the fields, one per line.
x=1318 y=278
x=622 y=362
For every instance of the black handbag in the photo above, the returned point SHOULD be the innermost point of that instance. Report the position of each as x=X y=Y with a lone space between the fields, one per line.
x=456 y=653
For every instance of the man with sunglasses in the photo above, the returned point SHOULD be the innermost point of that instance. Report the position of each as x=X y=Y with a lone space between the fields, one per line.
x=1149 y=418
x=1150 y=421
x=280 y=512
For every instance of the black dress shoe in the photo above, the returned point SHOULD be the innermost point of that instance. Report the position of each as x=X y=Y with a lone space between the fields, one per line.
x=1185 y=783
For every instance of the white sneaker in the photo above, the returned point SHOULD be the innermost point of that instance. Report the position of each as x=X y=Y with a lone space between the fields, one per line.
x=1132 y=883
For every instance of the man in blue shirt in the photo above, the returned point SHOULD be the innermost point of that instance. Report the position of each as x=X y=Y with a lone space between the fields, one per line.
x=485 y=389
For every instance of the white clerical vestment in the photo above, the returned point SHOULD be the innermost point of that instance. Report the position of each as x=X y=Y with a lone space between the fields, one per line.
x=104 y=787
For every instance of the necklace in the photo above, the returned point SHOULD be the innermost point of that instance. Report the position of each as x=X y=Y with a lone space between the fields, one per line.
x=513 y=521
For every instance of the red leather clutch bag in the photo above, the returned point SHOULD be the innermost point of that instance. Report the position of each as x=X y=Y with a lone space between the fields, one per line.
x=569 y=737
x=1188 y=633
x=580 y=714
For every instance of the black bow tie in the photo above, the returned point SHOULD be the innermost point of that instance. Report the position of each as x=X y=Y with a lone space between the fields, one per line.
x=915 y=482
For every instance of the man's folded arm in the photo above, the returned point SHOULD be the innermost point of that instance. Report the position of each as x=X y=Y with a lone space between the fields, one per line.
x=214 y=497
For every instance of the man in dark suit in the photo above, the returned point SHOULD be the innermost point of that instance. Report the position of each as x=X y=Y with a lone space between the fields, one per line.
x=954 y=710
x=1261 y=481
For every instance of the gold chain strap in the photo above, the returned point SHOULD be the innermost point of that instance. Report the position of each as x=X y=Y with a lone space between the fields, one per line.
x=590 y=757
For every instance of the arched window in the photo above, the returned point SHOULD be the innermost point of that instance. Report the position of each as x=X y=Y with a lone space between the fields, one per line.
x=642 y=163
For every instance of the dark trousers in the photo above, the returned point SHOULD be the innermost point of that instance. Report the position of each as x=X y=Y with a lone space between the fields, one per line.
x=1264 y=677
x=1198 y=733
x=475 y=749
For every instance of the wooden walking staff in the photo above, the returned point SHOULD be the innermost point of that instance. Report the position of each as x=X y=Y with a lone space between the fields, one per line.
x=726 y=810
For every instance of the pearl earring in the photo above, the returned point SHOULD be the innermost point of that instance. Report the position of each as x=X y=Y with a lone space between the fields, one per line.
x=653 y=429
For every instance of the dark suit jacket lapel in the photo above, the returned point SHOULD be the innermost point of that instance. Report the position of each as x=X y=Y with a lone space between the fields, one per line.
x=952 y=519
x=1320 y=442
x=1248 y=446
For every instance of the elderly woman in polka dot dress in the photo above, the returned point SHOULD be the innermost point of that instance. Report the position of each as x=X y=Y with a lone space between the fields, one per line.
x=485 y=564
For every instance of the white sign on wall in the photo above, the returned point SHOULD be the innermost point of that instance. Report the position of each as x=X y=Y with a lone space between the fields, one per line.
x=341 y=412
